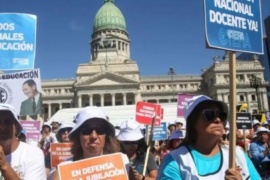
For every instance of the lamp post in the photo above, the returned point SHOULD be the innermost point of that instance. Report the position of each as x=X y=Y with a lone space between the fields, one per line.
x=256 y=82
x=172 y=73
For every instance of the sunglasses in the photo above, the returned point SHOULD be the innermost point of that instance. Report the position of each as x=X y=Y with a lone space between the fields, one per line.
x=129 y=143
x=211 y=115
x=62 y=131
x=88 y=130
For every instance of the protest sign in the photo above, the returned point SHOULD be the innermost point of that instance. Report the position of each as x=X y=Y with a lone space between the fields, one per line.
x=145 y=112
x=181 y=103
x=59 y=153
x=17 y=41
x=32 y=129
x=234 y=25
x=23 y=91
x=159 y=132
x=243 y=121
x=101 y=167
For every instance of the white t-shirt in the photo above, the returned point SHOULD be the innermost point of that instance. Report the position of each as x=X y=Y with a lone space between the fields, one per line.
x=49 y=139
x=28 y=162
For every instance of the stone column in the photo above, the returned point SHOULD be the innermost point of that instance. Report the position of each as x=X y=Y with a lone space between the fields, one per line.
x=79 y=100
x=90 y=100
x=138 y=97
x=124 y=99
x=60 y=106
x=113 y=99
x=101 y=99
x=49 y=110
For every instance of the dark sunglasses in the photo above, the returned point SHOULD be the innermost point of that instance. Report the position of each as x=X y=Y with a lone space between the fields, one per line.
x=129 y=142
x=211 y=115
x=64 y=130
x=89 y=130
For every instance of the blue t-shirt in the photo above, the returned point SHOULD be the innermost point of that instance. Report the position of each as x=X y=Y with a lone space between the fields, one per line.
x=169 y=169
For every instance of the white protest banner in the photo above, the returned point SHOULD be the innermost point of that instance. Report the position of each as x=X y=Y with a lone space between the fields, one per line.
x=23 y=91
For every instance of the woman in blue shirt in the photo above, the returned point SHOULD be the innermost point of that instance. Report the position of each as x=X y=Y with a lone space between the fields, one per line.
x=202 y=155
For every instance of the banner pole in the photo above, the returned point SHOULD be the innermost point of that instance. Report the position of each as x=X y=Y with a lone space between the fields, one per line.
x=149 y=145
x=244 y=134
x=232 y=118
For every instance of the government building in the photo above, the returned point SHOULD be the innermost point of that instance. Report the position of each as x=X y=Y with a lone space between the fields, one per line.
x=112 y=78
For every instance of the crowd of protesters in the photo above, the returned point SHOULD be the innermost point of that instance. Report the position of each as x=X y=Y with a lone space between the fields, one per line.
x=198 y=150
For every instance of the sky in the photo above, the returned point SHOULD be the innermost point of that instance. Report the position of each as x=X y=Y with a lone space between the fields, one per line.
x=163 y=34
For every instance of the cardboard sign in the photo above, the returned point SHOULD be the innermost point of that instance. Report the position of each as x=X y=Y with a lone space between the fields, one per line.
x=32 y=129
x=243 y=121
x=102 y=167
x=181 y=103
x=59 y=153
x=145 y=112
x=159 y=133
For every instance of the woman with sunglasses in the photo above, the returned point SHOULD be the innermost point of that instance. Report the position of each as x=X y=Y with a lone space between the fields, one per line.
x=62 y=137
x=202 y=154
x=92 y=136
x=135 y=147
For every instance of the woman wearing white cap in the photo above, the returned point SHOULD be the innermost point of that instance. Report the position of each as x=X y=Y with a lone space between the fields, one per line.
x=47 y=138
x=202 y=154
x=135 y=147
x=93 y=135
x=62 y=137
x=260 y=149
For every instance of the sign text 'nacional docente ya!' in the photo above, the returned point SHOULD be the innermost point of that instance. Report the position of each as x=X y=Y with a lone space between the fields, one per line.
x=234 y=25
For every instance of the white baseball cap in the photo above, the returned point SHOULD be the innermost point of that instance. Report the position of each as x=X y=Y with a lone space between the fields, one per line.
x=11 y=109
x=262 y=129
x=192 y=103
x=177 y=134
x=171 y=124
x=47 y=124
x=63 y=126
x=255 y=121
x=265 y=123
x=88 y=113
x=130 y=131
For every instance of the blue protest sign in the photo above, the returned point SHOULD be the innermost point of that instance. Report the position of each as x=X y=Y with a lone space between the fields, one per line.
x=160 y=132
x=234 y=25
x=17 y=41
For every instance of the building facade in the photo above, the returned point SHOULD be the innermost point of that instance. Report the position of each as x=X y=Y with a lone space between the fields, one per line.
x=111 y=77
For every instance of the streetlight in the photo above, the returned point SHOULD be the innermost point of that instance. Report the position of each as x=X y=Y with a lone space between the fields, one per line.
x=172 y=73
x=256 y=82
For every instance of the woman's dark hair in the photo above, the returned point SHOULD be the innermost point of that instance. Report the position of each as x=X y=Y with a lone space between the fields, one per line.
x=111 y=143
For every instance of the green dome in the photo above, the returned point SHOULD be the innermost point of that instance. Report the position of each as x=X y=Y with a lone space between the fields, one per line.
x=109 y=17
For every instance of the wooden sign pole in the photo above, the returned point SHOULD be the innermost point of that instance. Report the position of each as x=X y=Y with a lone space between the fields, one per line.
x=149 y=145
x=232 y=118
